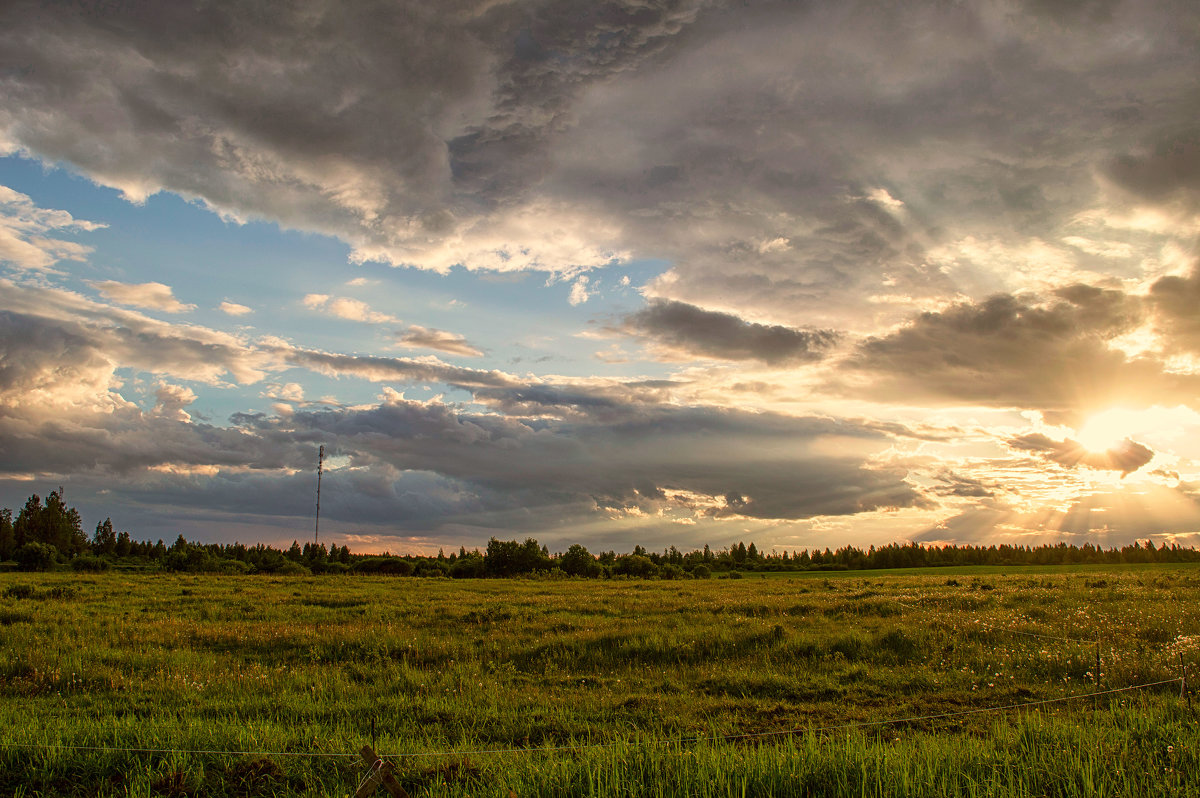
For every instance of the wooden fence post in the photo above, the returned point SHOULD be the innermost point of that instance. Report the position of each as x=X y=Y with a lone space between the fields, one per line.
x=381 y=773
x=1183 y=688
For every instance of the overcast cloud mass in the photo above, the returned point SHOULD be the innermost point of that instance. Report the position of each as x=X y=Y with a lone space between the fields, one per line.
x=668 y=273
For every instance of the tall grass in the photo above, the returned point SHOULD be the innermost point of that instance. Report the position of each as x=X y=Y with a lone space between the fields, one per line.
x=267 y=668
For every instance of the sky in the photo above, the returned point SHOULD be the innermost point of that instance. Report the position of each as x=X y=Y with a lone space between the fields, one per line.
x=610 y=272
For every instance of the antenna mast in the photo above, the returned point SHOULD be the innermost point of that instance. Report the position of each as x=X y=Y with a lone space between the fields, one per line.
x=320 y=467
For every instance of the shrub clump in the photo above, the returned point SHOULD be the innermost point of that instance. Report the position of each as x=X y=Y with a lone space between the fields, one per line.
x=36 y=557
x=89 y=563
x=393 y=566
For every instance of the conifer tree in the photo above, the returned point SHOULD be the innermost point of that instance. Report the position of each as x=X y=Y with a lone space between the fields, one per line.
x=105 y=540
x=8 y=539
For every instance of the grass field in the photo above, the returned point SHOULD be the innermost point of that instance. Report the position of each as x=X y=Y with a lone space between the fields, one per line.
x=756 y=686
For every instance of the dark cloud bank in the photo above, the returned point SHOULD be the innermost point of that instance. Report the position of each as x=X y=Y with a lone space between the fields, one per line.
x=695 y=332
x=551 y=455
x=1013 y=351
x=1126 y=457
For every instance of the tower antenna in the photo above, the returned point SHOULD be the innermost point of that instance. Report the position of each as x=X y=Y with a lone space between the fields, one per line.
x=320 y=467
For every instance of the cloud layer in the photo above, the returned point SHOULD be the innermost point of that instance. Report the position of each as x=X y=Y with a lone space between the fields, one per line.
x=838 y=153
x=876 y=264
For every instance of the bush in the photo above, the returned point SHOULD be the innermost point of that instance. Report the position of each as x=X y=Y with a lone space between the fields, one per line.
x=293 y=569
x=87 y=562
x=431 y=568
x=36 y=557
x=190 y=559
x=469 y=566
x=635 y=565
x=231 y=566
x=392 y=566
x=701 y=572
x=669 y=571
x=335 y=568
x=578 y=561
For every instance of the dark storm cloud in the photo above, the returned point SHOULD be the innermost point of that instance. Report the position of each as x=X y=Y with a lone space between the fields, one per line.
x=1126 y=457
x=421 y=466
x=36 y=356
x=129 y=441
x=237 y=87
x=131 y=339
x=1177 y=301
x=549 y=52
x=805 y=162
x=389 y=124
x=1009 y=351
x=791 y=176
x=60 y=411
x=695 y=332
x=1168 y=172
x=774 y=462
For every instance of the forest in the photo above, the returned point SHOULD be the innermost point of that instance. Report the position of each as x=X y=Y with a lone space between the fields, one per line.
x=50 y=535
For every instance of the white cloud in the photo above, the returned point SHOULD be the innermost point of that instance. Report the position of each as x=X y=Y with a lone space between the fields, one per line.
x=419 y=337
x=234 y=309
x=154 y=296
x=579 y=291
x=26 y=230
x=348 y=308
x=884 y=198
x=287 y=392
x=172 y=399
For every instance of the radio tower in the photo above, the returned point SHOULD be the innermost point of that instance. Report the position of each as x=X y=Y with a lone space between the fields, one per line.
x=320 y=467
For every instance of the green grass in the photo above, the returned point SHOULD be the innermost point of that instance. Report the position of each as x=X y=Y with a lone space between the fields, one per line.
x=719 y=687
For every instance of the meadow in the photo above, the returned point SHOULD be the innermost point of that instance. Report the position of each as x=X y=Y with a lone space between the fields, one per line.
x=859 y=684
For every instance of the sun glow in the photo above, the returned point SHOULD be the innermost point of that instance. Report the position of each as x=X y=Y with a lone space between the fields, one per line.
x=1106 y=430
x=1109 y=429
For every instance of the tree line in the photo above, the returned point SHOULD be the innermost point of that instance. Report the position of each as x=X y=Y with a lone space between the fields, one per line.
x=49 y=535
